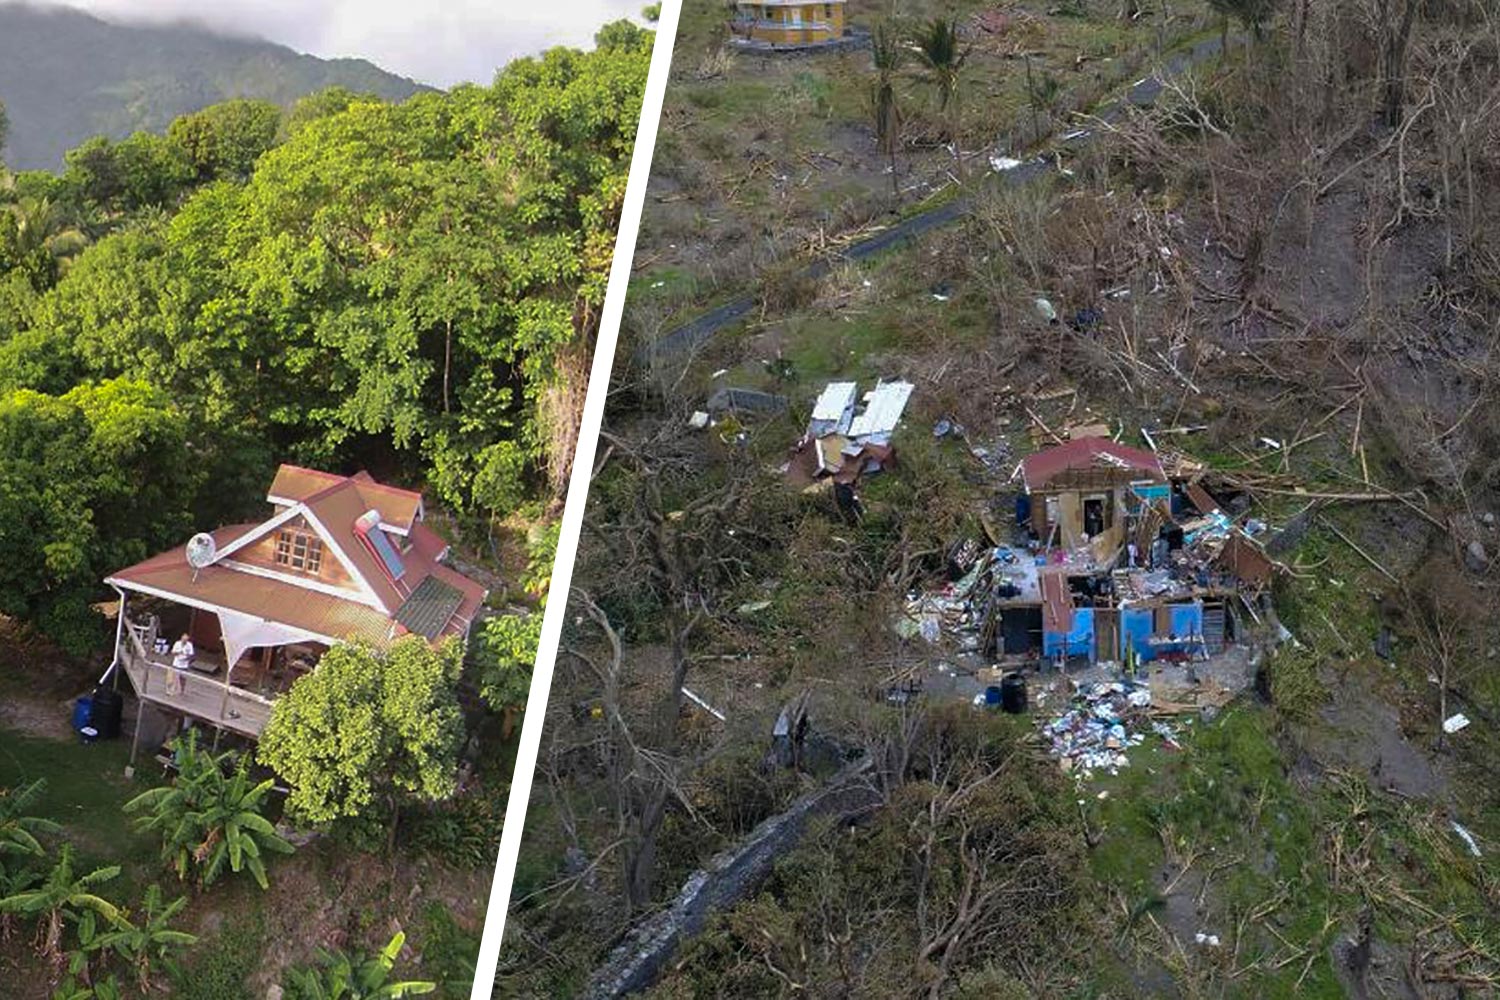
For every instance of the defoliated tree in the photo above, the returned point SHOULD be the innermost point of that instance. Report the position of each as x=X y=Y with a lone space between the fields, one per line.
x=1253 y=14
x=369 y=730
x=942 y=53
x=888 y=52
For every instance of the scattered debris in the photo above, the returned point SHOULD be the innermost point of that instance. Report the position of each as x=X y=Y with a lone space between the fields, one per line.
x=734 y=400
x=1103 y=722
x=698 y=420
x=843 y=444
x=1454 y=723
x=1467 y=838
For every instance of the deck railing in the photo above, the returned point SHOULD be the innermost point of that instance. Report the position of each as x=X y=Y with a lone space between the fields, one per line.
x=202 y=697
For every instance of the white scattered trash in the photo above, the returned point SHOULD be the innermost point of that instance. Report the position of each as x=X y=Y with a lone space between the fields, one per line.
x=1003 y=163
x=1211 y=940
x=1045 y=309
x=698 y=420
x=720 y=373
x=1454 y=723
x=1467 y=837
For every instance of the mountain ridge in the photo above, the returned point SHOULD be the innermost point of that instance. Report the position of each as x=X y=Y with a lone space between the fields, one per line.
x=67 y=75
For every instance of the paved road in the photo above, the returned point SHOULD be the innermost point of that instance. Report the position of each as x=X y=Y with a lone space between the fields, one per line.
x=1141 y=94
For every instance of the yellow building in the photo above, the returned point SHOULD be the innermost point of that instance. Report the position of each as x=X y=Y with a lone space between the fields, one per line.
x=789 y=22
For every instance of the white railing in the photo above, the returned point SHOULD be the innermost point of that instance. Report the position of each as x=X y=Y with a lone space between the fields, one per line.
x=194 y=694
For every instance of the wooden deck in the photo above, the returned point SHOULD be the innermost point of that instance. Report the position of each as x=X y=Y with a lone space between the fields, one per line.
x=202 y=697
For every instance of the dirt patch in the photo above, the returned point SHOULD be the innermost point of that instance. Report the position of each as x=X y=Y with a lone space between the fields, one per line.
x=1363 y=733
x=41 y=717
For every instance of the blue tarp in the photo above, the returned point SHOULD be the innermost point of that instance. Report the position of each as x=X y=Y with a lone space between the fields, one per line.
x=1077 y=642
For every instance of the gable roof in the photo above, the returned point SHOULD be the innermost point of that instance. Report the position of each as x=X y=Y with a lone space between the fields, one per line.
x=382 y=608
x=399 y=509
x=1040 y=468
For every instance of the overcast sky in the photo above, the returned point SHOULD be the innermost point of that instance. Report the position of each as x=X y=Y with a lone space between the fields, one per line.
x=438 y=42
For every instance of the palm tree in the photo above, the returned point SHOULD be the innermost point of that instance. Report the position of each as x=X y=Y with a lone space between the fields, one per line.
x=150 y=940
x=42 y=226
x=62 y=899
x=943 y=54
x=18 y=831
x=209 y=819
x=339 y=977
x=888 y=52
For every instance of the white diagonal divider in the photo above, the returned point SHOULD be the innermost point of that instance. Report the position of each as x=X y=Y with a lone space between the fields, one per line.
x=578 y=488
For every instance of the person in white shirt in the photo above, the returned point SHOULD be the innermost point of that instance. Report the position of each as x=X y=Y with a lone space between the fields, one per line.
x=182 y=653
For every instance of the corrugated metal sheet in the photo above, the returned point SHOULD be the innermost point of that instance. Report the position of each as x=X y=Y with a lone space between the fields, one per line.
x=1084 y=453
x=336 y=504
x=883 y=408
x=834 y=409
x=397 y=507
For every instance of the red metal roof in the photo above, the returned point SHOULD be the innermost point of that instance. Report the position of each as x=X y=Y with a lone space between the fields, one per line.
x=1042 y=467
x=335 y=505
x=1057 y=602
x=398 y=508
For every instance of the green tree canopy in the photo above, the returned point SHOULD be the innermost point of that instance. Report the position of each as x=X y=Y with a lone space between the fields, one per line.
x=368 y=730
x=90 y=481
x=224 y=140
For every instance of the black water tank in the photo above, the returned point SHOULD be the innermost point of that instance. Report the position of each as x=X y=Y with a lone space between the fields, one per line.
x=1013 y=693
x=105 y=714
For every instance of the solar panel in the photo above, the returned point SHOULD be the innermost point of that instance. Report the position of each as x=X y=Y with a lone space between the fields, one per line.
x=369 y=530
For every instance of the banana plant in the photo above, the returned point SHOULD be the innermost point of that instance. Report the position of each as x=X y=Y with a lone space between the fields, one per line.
x=209 y=819
x=18 y=830
x=148 y=942
x=105 y=989
x=62 y=899
x=337 y=976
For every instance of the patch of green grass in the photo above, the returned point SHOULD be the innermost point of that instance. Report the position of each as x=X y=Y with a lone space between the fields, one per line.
x=218 y=967
x=448 y=952
x=86 y=789
x=1224 y=799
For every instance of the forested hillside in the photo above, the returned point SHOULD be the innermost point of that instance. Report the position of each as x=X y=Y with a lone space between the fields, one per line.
x=65 y=76
x=350 y=283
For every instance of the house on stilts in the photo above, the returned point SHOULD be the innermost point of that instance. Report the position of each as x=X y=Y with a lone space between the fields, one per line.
x=338 y=559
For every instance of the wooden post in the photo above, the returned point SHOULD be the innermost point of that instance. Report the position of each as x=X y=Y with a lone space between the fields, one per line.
x=135 y=738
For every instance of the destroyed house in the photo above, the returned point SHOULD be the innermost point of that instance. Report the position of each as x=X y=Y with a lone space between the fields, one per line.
x=1077 y=594
x=338 y=559
x=1079 y=495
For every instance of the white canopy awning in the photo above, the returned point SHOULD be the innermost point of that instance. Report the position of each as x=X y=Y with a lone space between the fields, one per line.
x=242 y=632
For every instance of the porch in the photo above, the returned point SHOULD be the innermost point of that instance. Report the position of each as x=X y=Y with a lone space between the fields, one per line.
x=235 y=695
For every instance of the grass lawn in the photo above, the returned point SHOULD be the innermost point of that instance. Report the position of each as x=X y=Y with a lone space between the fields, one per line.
x=328 y=894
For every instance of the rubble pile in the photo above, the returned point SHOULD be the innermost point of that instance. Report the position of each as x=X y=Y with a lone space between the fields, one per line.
x=1105 y=720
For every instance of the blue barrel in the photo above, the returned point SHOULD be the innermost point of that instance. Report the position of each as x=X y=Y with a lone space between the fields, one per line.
x=992 y=696
x=82 y=711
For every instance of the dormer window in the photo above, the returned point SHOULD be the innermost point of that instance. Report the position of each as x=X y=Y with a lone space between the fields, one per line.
x=299 y=550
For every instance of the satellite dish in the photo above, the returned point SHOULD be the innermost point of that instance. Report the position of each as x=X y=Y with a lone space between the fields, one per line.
x=201 y=550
